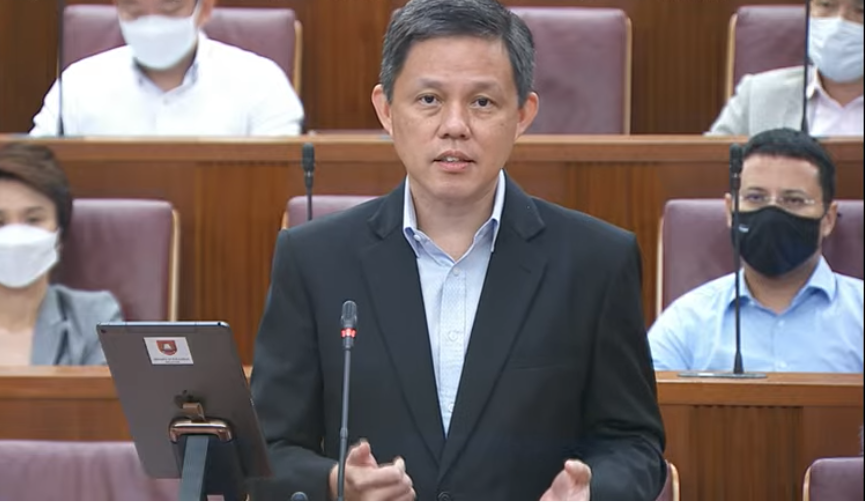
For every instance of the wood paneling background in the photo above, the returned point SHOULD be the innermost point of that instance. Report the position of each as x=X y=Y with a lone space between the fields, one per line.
x=729 y=439
x=678 y=67
x=231 y=195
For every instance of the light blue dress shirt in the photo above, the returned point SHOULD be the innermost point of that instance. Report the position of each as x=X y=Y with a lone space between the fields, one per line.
x=821 y=330
x=451 y=292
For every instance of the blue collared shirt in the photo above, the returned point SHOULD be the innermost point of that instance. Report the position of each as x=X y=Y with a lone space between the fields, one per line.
x=451 y=292
x=821 y=330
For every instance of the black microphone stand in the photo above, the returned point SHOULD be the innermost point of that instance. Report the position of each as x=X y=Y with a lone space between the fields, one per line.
x=735 y=183
x=805 y=67
x=308 y=174
x=349 y=324
x=61 y=62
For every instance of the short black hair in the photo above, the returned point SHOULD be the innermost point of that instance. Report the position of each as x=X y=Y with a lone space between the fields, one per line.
x=426 y=19
x=35 y=166
x=793 y=144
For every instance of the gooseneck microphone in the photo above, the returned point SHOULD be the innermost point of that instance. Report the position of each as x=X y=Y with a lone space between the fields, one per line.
x=349 y=330
x=736 y=160
x=735 y=185
x=61 y=61
x=805 y=66
x=308 y=175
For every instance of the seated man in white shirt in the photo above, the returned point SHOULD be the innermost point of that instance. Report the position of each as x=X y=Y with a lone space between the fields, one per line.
x=797 y=315
x=171 y=80
x=834 y=91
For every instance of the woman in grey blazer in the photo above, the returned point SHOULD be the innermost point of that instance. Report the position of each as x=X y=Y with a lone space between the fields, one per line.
x=40 y=323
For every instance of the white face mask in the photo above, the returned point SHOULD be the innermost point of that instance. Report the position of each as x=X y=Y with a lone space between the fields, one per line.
x=160 y=42
x=835 y=47
x=26 y=254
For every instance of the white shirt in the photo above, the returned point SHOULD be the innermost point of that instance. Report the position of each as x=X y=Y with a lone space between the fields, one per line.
x=826 y=117
x=226 y=92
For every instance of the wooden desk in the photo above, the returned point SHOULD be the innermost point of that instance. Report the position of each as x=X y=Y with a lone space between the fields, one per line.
x=231 y=195
x=730 y=439
x=754 y=439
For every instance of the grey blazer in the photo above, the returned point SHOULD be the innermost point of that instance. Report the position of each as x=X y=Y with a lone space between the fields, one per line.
x=65 y=332
x=763 y=101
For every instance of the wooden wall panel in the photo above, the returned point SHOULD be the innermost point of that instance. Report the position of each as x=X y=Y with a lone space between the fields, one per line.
x=729 y=439
x=231 y=195
x=28 y=36
x=679 y=58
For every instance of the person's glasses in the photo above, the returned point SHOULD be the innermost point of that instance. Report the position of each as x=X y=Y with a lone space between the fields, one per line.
x=790 y=202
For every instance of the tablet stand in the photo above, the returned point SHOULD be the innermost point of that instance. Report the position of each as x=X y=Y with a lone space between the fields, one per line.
x=207 y=455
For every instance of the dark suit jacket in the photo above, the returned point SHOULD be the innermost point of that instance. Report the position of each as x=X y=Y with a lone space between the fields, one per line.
x=558 y=364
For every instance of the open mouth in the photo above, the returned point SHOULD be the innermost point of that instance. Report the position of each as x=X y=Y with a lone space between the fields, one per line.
x=453 y=161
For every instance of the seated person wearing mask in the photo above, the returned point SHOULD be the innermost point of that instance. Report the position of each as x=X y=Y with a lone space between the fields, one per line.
x=796 y=314
x=41 y=324
x=171 y=80
x=773 y=99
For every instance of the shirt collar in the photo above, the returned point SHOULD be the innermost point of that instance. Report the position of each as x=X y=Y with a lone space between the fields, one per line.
x=822 y=280
x=409 y=216
x=201 y=51
x=815 y=87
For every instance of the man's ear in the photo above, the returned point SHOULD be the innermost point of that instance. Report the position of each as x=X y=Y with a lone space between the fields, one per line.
x=527 y=113
x=382 y=108
x=827 y=224
x=205 y=12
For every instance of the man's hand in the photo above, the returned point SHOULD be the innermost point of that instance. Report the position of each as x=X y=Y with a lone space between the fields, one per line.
x=366 y=480
x=571 y=484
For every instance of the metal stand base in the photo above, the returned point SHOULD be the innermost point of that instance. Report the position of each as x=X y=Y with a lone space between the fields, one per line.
x=722 y=374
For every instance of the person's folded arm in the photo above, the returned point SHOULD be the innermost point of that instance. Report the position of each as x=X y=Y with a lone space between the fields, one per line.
x=277 y=110
x=667 y=343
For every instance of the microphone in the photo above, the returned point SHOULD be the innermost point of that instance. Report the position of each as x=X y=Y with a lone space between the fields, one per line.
x=308 y=173
x=805 y=65
x=61 y=60
x=349 y=325
x=735 y=185
x=736 y=160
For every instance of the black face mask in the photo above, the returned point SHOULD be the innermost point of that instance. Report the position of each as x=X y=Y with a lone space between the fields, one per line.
x=774 y=241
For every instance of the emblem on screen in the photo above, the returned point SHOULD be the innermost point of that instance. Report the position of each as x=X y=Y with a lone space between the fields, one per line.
x=167 y=347
x=168 y=351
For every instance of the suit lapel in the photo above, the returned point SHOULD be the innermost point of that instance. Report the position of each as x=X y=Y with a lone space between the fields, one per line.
x=512 y=280
x=50 y=330
x=390 y=268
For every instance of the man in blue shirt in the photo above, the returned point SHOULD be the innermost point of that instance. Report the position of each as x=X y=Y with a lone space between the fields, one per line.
x=797 y=315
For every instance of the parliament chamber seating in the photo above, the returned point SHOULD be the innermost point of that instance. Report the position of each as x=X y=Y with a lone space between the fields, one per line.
x=670 y=491
x=763 y=38
x=695 y=245
x=126 y=246
x=322 y=205
x=834 y=479
x=270 y=32
x=73 y=470
x=582 y=69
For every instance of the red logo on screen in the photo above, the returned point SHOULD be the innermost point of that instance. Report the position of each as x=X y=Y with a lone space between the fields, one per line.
x=167 y=347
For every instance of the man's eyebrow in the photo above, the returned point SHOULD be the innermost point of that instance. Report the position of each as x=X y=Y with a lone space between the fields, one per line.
x=480 y=85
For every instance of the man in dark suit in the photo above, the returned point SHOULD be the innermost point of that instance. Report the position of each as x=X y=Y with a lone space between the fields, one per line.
x=501 y=349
